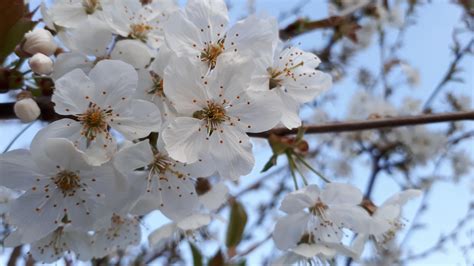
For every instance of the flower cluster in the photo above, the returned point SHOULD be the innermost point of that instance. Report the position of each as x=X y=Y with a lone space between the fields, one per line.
x=153 y=100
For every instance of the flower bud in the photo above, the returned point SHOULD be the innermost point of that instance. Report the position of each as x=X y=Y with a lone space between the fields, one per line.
x=39 y=41
x=27 y=110
x=41 y=64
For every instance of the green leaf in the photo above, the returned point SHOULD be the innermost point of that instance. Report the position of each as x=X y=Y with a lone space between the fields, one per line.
x=197 y=257
x=217 y=260
x=272 y=162
x=237 y=222
x=10 y=12
x=14 y=36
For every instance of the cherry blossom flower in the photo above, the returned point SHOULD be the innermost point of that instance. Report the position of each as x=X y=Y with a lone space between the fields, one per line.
x=122 y=231
x=214 y=115
x=387 y=219
x=131 y=19
x=98 y=101
x=162 y=182
x=291 y=74
x=151 y=83
x=73 y=13
x=172 y=231
x=328 y=212
x=200 y=32
x=59 y=186
x=92 y=42
x=50 y=248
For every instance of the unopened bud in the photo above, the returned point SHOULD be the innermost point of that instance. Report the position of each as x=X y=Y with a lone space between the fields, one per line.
x=41 y=64
x=39 y=41
x=27 y=110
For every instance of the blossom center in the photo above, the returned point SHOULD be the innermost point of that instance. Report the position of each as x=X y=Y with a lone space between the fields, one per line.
x=211 y=52
x=160 y=164
x=319 y=209
x=67 y=181
x=94 y=121
x=274 y=80
x=213 y=115
x=90 y=6
x=157 y=87
x=140 y=31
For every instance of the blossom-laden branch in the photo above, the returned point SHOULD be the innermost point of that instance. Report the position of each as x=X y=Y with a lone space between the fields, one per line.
x=372 y=124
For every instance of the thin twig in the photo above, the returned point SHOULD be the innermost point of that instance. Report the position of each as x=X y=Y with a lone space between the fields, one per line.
x=372 y=124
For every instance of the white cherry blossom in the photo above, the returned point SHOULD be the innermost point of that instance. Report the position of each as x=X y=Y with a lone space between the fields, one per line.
x=98 y=101
x=59 y=188
x=387 y=219
x=131 y=19
x=73 y=13
x=214 y=114
x=92 y=42
x=200 y=32
x=52 y=247
x=291 y=74
x=318 y=217
x=122 y=231
x=162 y=182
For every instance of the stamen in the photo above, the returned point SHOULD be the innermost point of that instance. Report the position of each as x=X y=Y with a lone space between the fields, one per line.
x=67 y=181
x=214 y=114
x=94 y=121
x=90 y=6
x=140 y=31
x=211 y=52
x=157 y=88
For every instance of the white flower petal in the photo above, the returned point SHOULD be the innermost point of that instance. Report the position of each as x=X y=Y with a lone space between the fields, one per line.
x=214 y=198
x=17 y=169
x=133 y=156
x=182 y=85
x=138 y=120
x=313 y=250
x=289 y=230
x=115 y=80
x=257 y=112
x=67 y=62
x=300 y=199
x=339 y=193
x=65 y=155
x=183 y=140
x=178 y=197
x=72 y=92
x=133 y=52
x=161 y=235
x=231 y=152
x=194 y=222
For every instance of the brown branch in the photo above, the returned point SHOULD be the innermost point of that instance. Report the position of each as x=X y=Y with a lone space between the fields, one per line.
x=301 y=26
x=402 y=121
x=16 y=253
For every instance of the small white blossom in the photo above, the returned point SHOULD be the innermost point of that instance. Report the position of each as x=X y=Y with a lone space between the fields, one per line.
x=56 y=244
x=162 y=182
x=317 y=218
x=200 y=33
x=387 y=220
x=41 y=64
x=73 y=13
x=131 y=19
x=39 y=41
x=100 y=100
x=292 y=76
x=122 y=231
x=214 y=115
x=27 y=110
x=60 y=188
